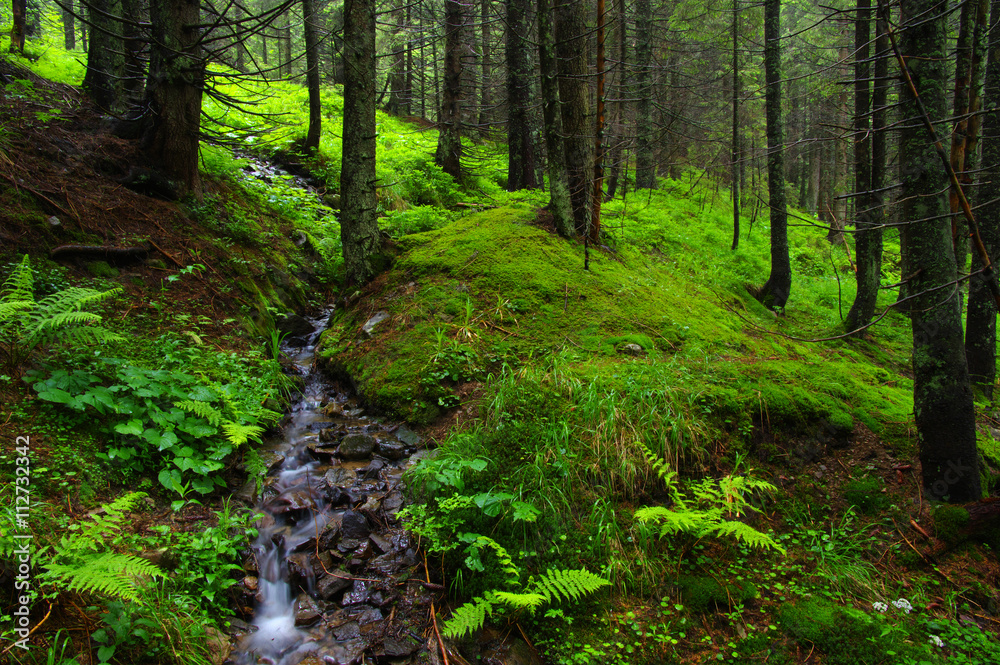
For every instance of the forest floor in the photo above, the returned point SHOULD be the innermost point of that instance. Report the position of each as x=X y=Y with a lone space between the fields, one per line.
x=558 y=400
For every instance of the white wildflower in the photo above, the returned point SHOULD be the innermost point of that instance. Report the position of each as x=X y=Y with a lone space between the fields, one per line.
x=903 y=604
x=937 y=641
x=879 y=607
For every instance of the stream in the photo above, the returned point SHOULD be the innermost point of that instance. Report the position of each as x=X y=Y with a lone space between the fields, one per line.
x=334 y=578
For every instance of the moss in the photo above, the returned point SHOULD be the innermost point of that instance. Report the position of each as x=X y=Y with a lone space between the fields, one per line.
x=102 y=269
x=865 y=494
x=703 y=593
x=949 y=521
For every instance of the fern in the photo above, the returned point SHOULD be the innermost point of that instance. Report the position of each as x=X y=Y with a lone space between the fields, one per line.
x=81 y=562
x=240 y=434
x=202 y=410
x=26 y=324
x=552 y=587
x=707 y=511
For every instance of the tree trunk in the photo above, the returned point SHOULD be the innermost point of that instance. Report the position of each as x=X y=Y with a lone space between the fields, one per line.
x=104 y=80
x=17 y=28
x=309 y=19
x=486 y=103
x=560 y=204
x=617 y=135
x=69 y=25
x=598 y=196
x=337 y=45
x=33 y=19
x=521 y=150
x=645 y=166
x=571 y=49
x=774 y=293
x=868 y=240
x=449 y=147
x=734 y=162
x=172 y=119
x=397 y=62
x=942 y=398
x=358 y=222
x=961 y=99
x=980 y=330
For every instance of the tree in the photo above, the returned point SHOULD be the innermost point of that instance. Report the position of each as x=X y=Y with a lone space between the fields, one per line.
x=774 y=293
x=69 y=27
x=868 y=239
x=449 y=147
x=309 y=19
x=559 y=198
x=735 y=159
x=17 y=28
x=942 y=397
x=172 y=106
x=520 y=139
x=105 y=74
x=358 y=222
x=645 y=167
x=571 y=50
x=980 y=328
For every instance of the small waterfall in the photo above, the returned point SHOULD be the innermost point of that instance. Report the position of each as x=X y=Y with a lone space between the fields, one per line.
x=335 y=574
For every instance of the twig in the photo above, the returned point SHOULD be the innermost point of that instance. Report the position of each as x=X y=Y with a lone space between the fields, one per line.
x=920 y=529
x=164 y=252
x=31 y=632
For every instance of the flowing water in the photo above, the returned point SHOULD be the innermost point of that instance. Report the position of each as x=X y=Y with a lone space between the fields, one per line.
x=333 y=575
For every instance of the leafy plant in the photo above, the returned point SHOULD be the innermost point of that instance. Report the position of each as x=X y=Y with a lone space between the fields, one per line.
x=552 y=587
x=27 y=323
x=82 y=562
x=709 y=508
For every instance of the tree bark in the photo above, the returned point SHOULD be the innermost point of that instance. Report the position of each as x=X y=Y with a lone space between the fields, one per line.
x=560 y=204
x=571 y=49
x=616 y=138
x=449 y=147
x=17 y=28
x=69 y=25
x=868 y=240
x=520 y=140
x=397 y=67
x=774 y=293
x=645 y=166
x=942 y=397
x=105 y=57
x=358 y=222
x=980 y=329
x=172 y=119
x=961 y=99
x=734 y=162
x=309 y=19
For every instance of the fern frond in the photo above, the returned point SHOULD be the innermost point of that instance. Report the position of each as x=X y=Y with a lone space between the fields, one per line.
x=9 y=308
x=522 y=601
x=240 y=434
x=108 y=573
x=20 y=284
x=470 y=617
x=672 y=521
x=747 y=534
x=202 y=410
x=557 y=585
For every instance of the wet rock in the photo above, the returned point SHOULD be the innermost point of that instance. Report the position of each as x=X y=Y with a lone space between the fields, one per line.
x=329 y=435
x=372 y=469
x=292 y=501
x=380 y=543
x=408 y=436
x=513 y=651
x=631 y=350
x=354 y=525
x=385 y=565
x=322 y=452
x=369 y=616
x=330 y=535
x=332 y=584
x=347 y=545
x=248 y=493
x=237 y=628
x=251 y=583
x=370 y=506
x=398 y=647
x=392 y=450
x=339 y=477
x=333 y=409
x=370 y=324
x=300 y=569
x=342 y=653
x=307 y=610
x=358 y=594
x=294 y=325
x=347 y=631
x=356 y=447
x=393 y=503
x=271 y=459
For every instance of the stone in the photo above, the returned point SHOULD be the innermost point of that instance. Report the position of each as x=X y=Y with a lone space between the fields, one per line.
x=294 y=325
x=356 y=447
x=383 y=545
x=347 y=631
x=392 y=450
x=342 y=653
x=300 y=569
x=271 y=459
x=251 y=583
x=370 y=324
x=332 y=584
x=631 y=349
x=358 y=594
x=330 y=534
x=354 y=525
x=218 y=645
x=333 y=409
x=408 y=436
x=307 y=610
x=398 y=647
x=338 y=476
x=514 y=651
x=329 y=434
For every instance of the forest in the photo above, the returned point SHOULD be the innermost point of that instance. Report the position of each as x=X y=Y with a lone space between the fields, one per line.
x=521 y=332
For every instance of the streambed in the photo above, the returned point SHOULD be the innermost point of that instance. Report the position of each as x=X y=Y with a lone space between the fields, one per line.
x=334 y=578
